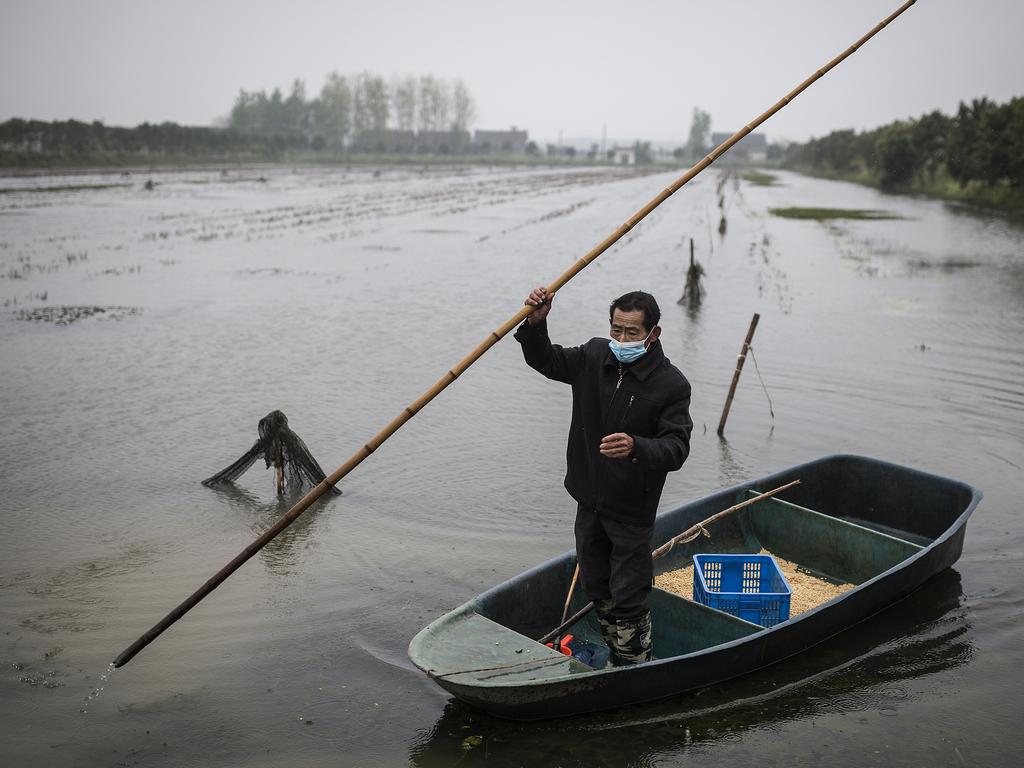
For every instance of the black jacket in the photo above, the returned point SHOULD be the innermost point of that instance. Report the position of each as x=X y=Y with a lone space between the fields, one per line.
x=648 y=400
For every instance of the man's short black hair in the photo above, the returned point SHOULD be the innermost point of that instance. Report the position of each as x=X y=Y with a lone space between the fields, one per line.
x=638 y=300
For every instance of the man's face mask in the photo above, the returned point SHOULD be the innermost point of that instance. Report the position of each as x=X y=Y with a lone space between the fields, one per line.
x=628 y=351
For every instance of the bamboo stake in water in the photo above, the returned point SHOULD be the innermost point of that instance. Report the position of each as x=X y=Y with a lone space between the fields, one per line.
x=690 y=533
x=411 y=410
x=740 y=359
x=691 y=290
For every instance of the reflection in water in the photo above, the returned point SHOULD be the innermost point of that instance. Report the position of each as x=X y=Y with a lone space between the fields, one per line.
x=281 y=554
x=865 y=669
x=692 y=307
x=731 y=469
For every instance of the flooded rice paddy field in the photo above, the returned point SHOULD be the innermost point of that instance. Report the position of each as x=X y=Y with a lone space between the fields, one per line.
x=143 y=333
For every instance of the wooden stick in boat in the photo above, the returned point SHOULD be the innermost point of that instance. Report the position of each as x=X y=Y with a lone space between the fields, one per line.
x=688 y=535
x=572 y=588
x=736 y=374
x=459 y=368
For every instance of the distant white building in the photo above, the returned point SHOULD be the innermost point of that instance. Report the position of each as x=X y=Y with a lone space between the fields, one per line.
x=752 y=147
x=623 y=155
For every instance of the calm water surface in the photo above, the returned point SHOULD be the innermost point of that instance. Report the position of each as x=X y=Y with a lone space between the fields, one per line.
x=338 y=297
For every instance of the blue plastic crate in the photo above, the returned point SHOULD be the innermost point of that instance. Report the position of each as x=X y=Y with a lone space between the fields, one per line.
x=748 y=586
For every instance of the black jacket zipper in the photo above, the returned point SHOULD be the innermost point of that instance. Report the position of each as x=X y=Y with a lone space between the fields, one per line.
x=625 y=416
x=611 y=400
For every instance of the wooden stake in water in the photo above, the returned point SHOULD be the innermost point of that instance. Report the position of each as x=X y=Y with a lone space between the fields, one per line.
x=741 y=358
x=495 y=336
x=692 y=289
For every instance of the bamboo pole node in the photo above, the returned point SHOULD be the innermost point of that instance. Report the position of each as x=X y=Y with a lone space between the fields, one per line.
x=303 y=504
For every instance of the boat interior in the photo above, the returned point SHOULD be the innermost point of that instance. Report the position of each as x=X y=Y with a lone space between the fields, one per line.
x=849 y=520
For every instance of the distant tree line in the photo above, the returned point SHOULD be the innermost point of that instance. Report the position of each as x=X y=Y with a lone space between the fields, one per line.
x=348 y=108
x=982 y=145
x=31 y=142
x=259 y=126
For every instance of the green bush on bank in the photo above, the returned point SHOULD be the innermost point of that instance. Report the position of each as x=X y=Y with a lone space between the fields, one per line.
x=975 y=156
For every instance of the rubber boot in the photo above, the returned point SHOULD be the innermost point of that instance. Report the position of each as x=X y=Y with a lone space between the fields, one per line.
x=608 y=629
x=629 y=640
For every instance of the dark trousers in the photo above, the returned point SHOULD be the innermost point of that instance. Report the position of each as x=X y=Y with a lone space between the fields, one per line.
x=616 y=569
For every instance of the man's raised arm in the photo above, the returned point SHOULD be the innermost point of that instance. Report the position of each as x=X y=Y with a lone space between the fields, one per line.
x=555 y=362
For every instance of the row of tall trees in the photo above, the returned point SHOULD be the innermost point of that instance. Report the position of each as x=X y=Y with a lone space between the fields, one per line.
x=260 y=125
x=982 y=143
x=350 y=106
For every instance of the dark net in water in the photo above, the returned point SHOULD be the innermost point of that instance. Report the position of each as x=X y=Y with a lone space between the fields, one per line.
x=281 y=448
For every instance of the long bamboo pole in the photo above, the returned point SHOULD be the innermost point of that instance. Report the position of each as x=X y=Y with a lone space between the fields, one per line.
x=688 y=535
x=459 y=368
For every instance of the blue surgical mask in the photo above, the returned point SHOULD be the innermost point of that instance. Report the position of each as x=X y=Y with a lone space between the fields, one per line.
x=628 y=351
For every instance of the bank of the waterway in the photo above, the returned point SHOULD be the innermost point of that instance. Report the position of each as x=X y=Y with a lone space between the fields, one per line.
x=984 y=199
x=143 y=334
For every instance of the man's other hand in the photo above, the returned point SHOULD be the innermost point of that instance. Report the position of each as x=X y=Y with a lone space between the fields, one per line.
x=617 y=445
x=540 y=299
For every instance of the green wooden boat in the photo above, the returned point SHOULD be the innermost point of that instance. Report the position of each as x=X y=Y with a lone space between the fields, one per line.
x=882 y=527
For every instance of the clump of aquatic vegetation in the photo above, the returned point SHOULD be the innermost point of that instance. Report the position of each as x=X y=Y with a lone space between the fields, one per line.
x=60 y=188
x=13 y=302
x=825 y=214
x=761 y=179
x=128 y=269
x=67 y=314
x=25 y=266
x=946 y=265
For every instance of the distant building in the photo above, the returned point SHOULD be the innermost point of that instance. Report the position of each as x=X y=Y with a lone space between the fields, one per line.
x=623 y=155
x=753 y=146
x=511 y=142
x=560 y=150
x=453 y=142
x=386 y=141
x=393 y=141
x=442 y=142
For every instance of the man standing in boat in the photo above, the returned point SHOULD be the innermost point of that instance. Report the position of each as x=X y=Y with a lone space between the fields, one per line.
x=630 y=427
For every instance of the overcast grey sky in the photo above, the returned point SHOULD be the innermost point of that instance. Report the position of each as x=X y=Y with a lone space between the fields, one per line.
x=638 y=67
